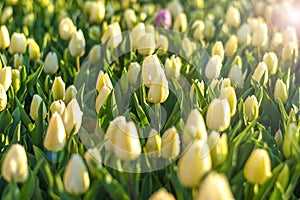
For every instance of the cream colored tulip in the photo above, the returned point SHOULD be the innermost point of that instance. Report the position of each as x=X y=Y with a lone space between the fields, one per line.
x=170 y=148
x=236 y=76
x=289 y=51
x=58 y=106
x=233 y=17
x=136 y=34
x=277 y=40
x=280 y=91
x=35 y=105
x=172 y=67
x=71 y=93
x=198 y=27
x=58 y=89
x=218 y=115
x=72 y=117
x=153 y=144
x=51 y=63
x=260 y=72
x=4 y=37
x=97 y=12
x=260 y=35
x=188 y=46
x=271 y=60
x=147 y=44
x=251 y=108
x=244 y=34
x=231 y=46
x=16 y=79
x=210 y=29
x=228 y=93
x=34 y=49
x=162 y=45
x=112 y=130
x=218 y=146
x=3 y=98
x=133 y=73
x=103 y=80
x=6 y=77
x=77 y=44
x=161 y=194
x=180 y=23
x=130 y=18
x=101 y=98
x=213 y=67
x=112 y=36
x=218 y=50
x=159 y=90
x=175 y=8
x=17 y=43
x=66 y=28
x=151 y=69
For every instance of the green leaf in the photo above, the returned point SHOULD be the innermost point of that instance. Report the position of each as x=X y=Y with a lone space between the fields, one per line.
x=5 y=120
x=24 y=117
x=28 y=187
x=33 y=78
x=38 y=132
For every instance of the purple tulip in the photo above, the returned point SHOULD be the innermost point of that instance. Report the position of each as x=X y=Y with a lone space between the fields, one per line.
x=163 y=19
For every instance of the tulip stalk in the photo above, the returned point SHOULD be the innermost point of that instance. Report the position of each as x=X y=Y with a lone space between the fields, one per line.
x=78 y=63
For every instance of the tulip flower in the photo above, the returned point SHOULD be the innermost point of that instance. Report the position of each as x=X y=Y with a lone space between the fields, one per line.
x=280 y=91
x=111 y=132
x=17 y=43
x=34 y=49
x=97 y=12
x=16 y=79
x=180 y=23
x=233 y=17
x=3 y=98
x=147 y=44
x=194 y=164
x=244 y=34
x=251 y=108
x=170 y=144
x=130 y=18
x=260 y=72
x=258 y=167
x=6 y=77
x=278 y=138
x=71 y=93
x=277 y=40
x=219 y=147
x=133 y=73
x=198 y=27
x=218 y=50
x=58 y=89
x=210 y=29
x=260 y=35
x=14 y=165
x=236 y=76
x=162 y=45
x=151 y=69
x=112 y=36
x=66 y=28
x=93 y=159
x=136 y=34
x=34 y=107
x=4 y=37
x=188 y=46
x=51 y=63
x=159 y=90
x=291 y=138
x=172 y=67
x=77 y=44
x=175 y=8
x=228 y=93
x=103 y=80
x=271 y=60
x=213 y=67
x=231 y=46
x=58 y=106
x=288 y=51
x=153 y=144
x=72 y=117
x=76 y=177
x=163 y=19
x=55 y=138
x=161 y=194
x=102 y=96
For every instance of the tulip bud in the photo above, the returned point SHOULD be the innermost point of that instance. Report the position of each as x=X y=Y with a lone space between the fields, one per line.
x=76 y=177
x=112 y=36
x=51 y=63
x=4 y=37
x=236 y=76
x=72 y=117
x=231 y=46
x=101 y=98
x=180 y=24
x=151 y=69
x=198 y=27
x=130 y=18
x=55 y=138
x=258 y=167
x=14 y=166
x=260 y=72
x=280 y=91
x=214 y=186
x=291 y=136
x=218 y=50
x=103 y=80
x=213 y=67
x=162 y=45
x=288 y=51
x=77 y=44
x=271 y=61
x=233 y=17
x=278 y=138
x=16 y=80
x=34 y=49
x=136 y=34
x=133 y=73
x=175 y=8
x=3 y=98
x=251 y=108
x=17 y=44
x=276 y=40
x=93 y=159
x=170 y=146
x=58 y=89
x=34 y=107
x=97 y=12
x=58 y=106
x=188 y=46
x=163 y=19
x=147 y=44
x=6 y=77
x=194 y=164
x=172 y=67
x=71 y=93
x=159 y=90
x=228 y=93
x=260 y=35
x=6 y=13
x=243 y=34
x=161 y=194
x=194 y=128
x=153 y=144
x=283 y=177
x=218 y=115
x=209 y=30
x=218 y=146
x=66 y=28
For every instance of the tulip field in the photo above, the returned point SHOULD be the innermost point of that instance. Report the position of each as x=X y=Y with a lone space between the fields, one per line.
x=158 y=100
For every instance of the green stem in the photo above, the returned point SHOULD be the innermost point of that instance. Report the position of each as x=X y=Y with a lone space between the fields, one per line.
x=78 y=63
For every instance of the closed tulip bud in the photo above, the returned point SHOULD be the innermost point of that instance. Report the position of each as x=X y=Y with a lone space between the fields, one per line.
x=17 y=44
x=170 y=146
x=136 y=34
x=228 y=93
x=162 y=45
x=280 y=91
x=76 y=177
x=271 y=61
x=276 y=40
x=161 y=194
x=147 y=44
x=58 y=89
x=283 y=177
x=218 y=50
x=77 y=44
x=236 y=76
x=218 y=115
x=214 y=186
x=6 y=77
x=251 y=108
x=163 y=19
x=243 y=34
x=172 y=67
x=34 y=49
x=112 y=36
x=292 y=135
x=231 y=46
x=213 y=67
x=133 y=73
x=16 y=80
x=233 y=17
x=14 y=166
x=3 y=98
x=97 y=12
x=101 y=98
x=218 y=146
x=153 y=144
x=72 y=117
x=151 y=69
x=198 y=27
x=188 y=46
x=4 y=37
x=194 y=164
x=209 y=30
x=95 y=55
x=278 y=138
x=55 y=138
x=51 y=63
x=71 y=93
x=180 y=23
x=130 y=18
x=103 y=80
x=58 y=106
x=237 y=61
x=288 y=51
x=258 y=167
x=260 y=72
x=93 y=160
x=175 y=8
x=194 y=128
x=260 y=35
x=159 y=90
x=66 y=28
x=35 y=105
x=18 y=60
